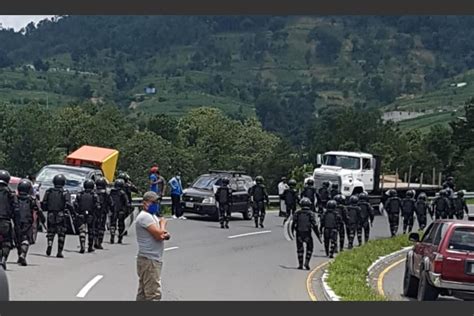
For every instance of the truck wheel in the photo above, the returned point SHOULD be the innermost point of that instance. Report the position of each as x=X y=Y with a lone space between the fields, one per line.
x=4 y=288
x=248 y=213
x=426 y=292
x=410 y=283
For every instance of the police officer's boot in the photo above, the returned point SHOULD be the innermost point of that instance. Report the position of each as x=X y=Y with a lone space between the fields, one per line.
x=306 y=265
x=83 y=246
x=22 y=258
x=50 y=247
x=112 y=238
x=227 y=224
x=91 y=247
x=256 y=222
x=300 y=264
x=61 y=241
x=119 y=239
x=261 y=222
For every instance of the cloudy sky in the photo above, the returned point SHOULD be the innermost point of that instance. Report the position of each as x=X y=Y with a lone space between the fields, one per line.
x=18 y=21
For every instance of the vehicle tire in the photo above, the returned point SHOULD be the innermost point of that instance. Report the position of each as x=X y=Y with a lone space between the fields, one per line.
x=426 y=292
x=248 y=213
x=410 y=283
x=4 y=288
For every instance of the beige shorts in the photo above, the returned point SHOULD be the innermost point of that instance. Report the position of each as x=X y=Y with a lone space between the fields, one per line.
x=149 y=279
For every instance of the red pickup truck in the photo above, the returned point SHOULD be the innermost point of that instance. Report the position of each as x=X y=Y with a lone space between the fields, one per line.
x=441 y=262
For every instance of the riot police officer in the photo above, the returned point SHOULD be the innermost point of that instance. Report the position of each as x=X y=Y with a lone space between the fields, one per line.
x=304 y=222
x=353 y=220
x=323 y=194
x=330 y=221
x=119 y=211
x=57 y=203
x=441 y=205
x=421 y=209
x=366 y=217
x=8 y=207
x=309 y=191
x=128 y=188
x=26 y=218
x=393 y=207
x=87 y=206
x=224 y=201
x=258 y=197
x=459 y=205
x=291 y=199
x=106 y=207
x=408 y=211
x=334 y=190
x=342 y=213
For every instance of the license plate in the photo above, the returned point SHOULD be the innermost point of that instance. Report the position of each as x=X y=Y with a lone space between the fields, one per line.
x=189 y=204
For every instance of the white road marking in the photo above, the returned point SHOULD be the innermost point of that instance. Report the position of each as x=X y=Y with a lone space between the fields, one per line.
x=83 y=292
x=171 y=248
x=250 y=234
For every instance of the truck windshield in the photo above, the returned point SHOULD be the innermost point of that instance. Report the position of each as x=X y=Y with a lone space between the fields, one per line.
x=345 y=162
x=206 y=182
x=73 y=177
x=462 y=239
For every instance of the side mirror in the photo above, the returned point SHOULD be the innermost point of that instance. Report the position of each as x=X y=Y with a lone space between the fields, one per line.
x=414 y=237
x=319 y=159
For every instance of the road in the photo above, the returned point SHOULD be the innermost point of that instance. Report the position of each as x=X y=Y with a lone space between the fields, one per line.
x=202 y=262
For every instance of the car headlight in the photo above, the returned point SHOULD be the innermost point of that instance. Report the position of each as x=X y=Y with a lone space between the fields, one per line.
x=209 y=200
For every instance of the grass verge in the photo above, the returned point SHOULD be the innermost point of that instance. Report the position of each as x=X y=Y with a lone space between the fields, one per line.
x=348 y=272
x=470 y=201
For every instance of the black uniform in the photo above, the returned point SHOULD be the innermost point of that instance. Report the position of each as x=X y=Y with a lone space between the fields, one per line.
x=460 y=207
x=421 y=209
x=341 y=229
x=304 y=222
x=259 y=197
x=393 y=207
x=224 y=198
x=330 y=221
x=352 y=224
x=8 y=207
x=57 y=203
x=334 y=192
x=25 y=221
x=291 y=201
x=324 y=197
x=441 y=207
x=366 y=220
x=87 y=207
x=311 y=193
x=106 y=206
x=408 y=211
x=450 y=196
x=119 y=213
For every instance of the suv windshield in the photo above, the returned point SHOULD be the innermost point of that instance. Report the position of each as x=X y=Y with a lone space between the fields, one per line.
x=345 y=162
x=462 y=239
x=206 y=182
x=73 y=177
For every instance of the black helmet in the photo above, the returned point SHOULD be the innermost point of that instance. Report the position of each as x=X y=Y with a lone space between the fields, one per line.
x=305 y=202
x=422 y=196
x=326 y=184
x=225 y=181
x=392 y=192
x=450 y=179
x=310 y=182
x=460 y=194
x=259 y=179
x=124 y=176
x=101 y=183
x=331 y=205
x=59 y=180
x=89 y=184
x=339 y=198
x=292 y=182
x=24 y=187
x=410 y=194
x=4 y=177
x=119 y=183
x=353 y=199
x=363 y=196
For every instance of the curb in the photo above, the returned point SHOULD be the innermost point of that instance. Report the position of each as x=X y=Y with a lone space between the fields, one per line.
x=384 y=258
x=328 y=292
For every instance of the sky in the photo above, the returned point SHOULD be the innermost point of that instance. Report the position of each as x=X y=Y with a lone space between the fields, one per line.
x=18 y=21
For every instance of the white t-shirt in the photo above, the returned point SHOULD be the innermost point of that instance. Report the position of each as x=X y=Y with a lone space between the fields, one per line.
x=282 y=186
x=148 y=246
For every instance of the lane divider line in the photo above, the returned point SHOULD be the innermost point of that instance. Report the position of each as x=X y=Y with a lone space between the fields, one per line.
x=83 y=292
x=171 y=248
x=309 y=281
x=383 y=273
x=250 y=234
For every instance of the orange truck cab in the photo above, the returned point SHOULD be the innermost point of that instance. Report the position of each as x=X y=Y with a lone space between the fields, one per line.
x=98 y=157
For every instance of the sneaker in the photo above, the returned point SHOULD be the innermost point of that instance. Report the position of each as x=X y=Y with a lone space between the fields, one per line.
x=182 y=217
x=174 y=217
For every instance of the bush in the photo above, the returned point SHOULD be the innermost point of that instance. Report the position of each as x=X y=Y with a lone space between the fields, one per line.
x=348 y=272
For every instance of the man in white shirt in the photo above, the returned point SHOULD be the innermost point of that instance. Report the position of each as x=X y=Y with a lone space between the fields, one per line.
x=282 y=186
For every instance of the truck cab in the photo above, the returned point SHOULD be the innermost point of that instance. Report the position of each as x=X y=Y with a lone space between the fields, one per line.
x=354 y=172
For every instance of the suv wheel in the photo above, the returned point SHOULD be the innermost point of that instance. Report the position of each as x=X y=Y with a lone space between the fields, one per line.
x=410 y=283
x=248 y=213
x=426 y=292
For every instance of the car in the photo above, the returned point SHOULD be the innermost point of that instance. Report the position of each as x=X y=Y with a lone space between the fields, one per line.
x=441 y=262
x=199 y=198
